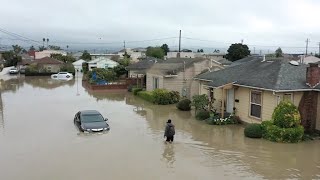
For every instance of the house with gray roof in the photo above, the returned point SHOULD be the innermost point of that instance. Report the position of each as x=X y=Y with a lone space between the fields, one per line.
x=253 y=88
x=176 y=74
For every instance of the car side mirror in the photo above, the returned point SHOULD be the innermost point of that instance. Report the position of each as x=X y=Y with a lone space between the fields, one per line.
x=106 y=119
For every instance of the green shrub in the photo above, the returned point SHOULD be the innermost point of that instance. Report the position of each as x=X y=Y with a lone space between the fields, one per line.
x=278 y=134
x=202 y=115
x=68 y=67
x=136 y=90
x=146 y=95
x=161 y=96
x=286 y=115
x=253 y=131
x=200 y=102
x=174 y=96
x=184 y=105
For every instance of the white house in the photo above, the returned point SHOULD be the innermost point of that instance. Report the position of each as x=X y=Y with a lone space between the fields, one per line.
x=102 y=62
x=47 y=53
x=78 y=64
x=135 y=54
x=182 y=55
x=309 y=59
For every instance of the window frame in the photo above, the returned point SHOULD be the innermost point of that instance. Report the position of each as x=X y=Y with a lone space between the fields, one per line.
x=250 y=103
x=291 y=96
x=155 y=83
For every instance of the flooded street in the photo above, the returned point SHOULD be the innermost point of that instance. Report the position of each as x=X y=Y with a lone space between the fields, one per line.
x=38 y=140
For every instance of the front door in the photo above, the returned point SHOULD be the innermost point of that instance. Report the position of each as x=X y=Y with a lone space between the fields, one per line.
x=230 y=100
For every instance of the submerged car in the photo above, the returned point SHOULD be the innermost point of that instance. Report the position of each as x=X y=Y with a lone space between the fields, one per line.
x=62 y=75
x=91 y=121
x=13 y=71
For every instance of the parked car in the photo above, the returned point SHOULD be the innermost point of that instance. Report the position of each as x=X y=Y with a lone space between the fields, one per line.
x=13 y=71
x=62 y=75
x=91 y=121
x=22 y=70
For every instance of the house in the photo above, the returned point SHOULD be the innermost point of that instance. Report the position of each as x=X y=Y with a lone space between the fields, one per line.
x=78 y=64
x=48 y=53
x=180 y=55
x=176 y=74
x=252 y=89
x=135 y=54
x=139 y=68
x=49 y=64
x=309 y=59
x=102 y=62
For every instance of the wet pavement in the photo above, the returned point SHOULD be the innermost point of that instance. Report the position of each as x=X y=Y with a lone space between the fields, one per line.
x=38 y=140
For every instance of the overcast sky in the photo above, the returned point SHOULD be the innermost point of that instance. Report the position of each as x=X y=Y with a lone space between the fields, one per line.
x=286 y=23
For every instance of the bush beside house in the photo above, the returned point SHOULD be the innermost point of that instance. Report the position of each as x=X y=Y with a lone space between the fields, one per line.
x=184 y=105
x=285 y=126
x=136 y=90
x=253 y=131
x=202 y=115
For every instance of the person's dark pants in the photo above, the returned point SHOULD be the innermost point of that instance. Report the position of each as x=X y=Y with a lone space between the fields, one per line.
x=170 y=139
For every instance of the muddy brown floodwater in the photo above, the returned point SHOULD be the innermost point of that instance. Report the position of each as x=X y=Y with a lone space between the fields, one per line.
x=38 y=140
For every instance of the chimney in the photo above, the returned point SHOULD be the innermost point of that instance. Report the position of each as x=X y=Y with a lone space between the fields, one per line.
x=264 y=58
x=313 y=75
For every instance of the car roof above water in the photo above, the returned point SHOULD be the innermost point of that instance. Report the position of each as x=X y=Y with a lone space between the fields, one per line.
x=89 y=112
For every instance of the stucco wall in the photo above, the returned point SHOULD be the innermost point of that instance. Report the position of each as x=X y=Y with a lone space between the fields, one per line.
x=54 y=67
x=149 y=86
x=318 y=114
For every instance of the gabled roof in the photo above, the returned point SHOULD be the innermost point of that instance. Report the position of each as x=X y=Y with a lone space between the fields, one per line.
x=47 y=60
x=173 y=66
x=98 y=59
x=79 y=62
x=144 y=63
x=277 y=74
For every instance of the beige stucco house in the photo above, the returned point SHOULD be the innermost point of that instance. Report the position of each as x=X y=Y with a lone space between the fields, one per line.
x=50 y=64
x=176 y=74
x=254 y=88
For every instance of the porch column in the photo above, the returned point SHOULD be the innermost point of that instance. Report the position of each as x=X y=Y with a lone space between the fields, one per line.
x=222 y=104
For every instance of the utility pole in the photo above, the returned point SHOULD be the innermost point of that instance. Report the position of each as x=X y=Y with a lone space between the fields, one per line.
x=319 y=50
x=180 y=41
x=254 y=50
x=241 y=41
x=260 y=52
x=124 y=45
x=307 y=43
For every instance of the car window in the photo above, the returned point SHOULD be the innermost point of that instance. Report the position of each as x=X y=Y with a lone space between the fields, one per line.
x=88 y=118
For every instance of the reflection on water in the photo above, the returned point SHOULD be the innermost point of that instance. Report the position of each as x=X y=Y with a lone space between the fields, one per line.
x=168 y=155
x=39 y=113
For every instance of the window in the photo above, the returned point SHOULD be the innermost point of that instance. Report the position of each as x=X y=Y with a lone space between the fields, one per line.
x=287 y=97
x=49 y=68
x=155 y=83
x=255 y=104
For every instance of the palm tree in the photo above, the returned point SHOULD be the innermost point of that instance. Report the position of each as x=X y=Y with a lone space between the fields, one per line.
x=47 y=42
x=43 y=39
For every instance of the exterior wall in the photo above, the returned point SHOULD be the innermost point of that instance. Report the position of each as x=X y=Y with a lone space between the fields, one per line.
x=318 y=114
x=106 y=63
x=182 y=55
x=185 y=80
x=47 y=53
x=149 y=86
x=54 y=67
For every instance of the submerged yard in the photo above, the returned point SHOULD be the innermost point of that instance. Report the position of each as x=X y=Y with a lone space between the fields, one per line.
x=38 y=140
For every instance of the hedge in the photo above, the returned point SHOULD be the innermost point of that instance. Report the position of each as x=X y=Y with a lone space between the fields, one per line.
x=136 y=90
x=253 y=131
x=146 y=95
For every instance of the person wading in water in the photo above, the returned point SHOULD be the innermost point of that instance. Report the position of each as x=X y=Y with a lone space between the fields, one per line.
x=169 y=132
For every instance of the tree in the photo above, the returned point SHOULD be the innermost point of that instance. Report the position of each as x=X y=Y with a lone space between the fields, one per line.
x=11 y=58
x=279 y=52
x=237 y=51
x=200 y=102
x=54 y=47
x=200 y=50
x=156 y=52
x=66 y=59
x=41 y=48
x=115 y=58
x=17 y=49
x=47 y=41
x=85 y=55
x=126 y=55
x=32 y=48
x=43 y=40
x=165 y=48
